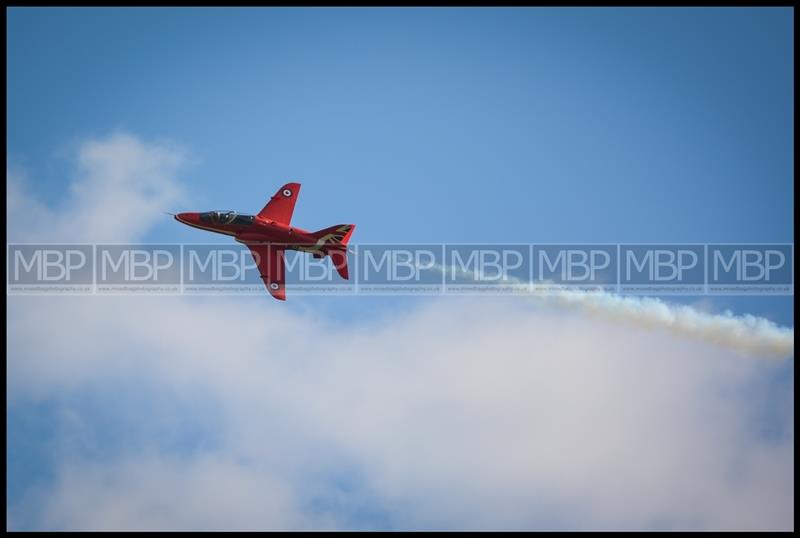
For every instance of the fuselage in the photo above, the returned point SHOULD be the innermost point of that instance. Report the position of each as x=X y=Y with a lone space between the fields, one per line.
x=250 y=229
x=269 y=234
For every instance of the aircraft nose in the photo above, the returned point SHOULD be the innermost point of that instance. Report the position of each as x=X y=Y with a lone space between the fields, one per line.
x=190 y=218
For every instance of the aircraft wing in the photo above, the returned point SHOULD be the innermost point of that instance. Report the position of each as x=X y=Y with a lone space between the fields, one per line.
x=271 y=267
x=281 y=206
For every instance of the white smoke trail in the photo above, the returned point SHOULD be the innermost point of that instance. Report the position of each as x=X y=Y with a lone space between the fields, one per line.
x=746 y=334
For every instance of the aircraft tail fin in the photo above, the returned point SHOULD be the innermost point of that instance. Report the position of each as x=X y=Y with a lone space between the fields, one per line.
x=335 y=235
x=334 y=242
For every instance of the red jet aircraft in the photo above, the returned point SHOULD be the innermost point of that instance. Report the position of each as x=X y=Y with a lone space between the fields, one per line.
x=268 y=235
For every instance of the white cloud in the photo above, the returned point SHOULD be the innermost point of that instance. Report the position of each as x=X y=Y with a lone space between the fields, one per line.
x=462 y=413
x=467 y=416
x=123 y=186
x=157 y=493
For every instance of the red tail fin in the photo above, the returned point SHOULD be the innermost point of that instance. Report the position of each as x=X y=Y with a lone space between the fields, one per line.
x=333 y=241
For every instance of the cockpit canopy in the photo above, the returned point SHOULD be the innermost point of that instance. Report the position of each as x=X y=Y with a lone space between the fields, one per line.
x=226 y=217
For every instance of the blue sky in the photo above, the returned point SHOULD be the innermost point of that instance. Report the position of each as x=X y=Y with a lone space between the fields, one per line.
x=427 y=125
x=642 y=123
